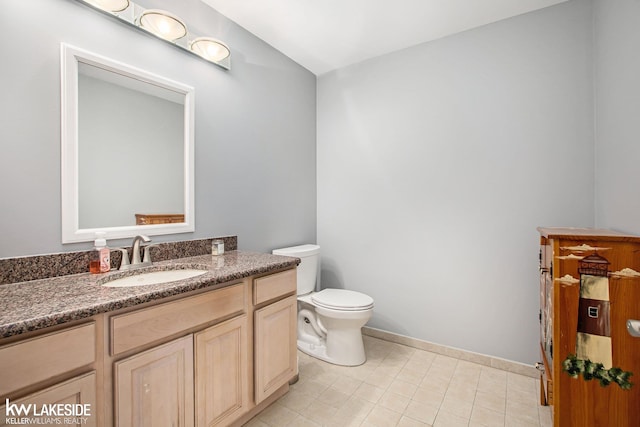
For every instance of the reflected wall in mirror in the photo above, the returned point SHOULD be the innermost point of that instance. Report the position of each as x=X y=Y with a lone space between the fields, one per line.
x=127 y=149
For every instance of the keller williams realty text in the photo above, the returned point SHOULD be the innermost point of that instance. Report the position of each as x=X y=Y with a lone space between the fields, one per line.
x=46 y=421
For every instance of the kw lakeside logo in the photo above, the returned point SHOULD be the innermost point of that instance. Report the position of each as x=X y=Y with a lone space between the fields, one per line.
x=46 y=414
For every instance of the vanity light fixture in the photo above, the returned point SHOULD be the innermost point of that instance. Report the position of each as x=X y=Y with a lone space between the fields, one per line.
x=162 y=24
x=110 y=5
x=210 y=49
x=165 y=26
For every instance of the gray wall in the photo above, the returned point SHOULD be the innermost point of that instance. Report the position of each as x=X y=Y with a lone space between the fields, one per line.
x=255 y=125
x=617 y=72
x=437 y=163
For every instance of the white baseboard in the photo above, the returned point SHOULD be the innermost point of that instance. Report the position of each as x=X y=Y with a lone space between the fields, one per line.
x=481 y=359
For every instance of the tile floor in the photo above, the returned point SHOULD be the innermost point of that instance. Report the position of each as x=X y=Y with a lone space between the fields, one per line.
x=402 y=386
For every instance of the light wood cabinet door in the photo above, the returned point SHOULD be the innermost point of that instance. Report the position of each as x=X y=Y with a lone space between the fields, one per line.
x=155 y=387
x=275 y=346
x=221 y=362
x=76 y=391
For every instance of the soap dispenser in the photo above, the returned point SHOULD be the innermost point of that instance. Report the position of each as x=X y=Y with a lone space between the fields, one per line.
x=100 y=257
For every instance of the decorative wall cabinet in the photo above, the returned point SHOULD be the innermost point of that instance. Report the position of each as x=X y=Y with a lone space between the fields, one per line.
x=589 y=288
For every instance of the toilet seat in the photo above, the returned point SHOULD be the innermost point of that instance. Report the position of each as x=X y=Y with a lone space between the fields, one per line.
x=342 y=299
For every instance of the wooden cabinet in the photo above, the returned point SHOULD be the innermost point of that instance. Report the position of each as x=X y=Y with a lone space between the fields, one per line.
x=568 y=257
x=208 y=376
x=275 y=346
x=222 y=371
x=159 y=386
x=210 y=358
x=155 y=387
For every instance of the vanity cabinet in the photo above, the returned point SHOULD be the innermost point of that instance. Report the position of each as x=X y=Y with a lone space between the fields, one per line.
x=212 y=357
x=564 y=312
x=180 y=383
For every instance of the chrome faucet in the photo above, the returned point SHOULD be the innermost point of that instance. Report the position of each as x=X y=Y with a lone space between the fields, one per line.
x=135 y=256
x=136 y=248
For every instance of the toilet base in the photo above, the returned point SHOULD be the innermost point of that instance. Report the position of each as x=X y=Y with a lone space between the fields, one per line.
x=354 y=357
x=320 y=352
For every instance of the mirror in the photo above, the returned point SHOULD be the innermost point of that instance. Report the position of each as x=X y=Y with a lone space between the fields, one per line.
x=127 y=150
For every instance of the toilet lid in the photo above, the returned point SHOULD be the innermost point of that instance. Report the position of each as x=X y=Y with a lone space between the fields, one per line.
x=342 y=299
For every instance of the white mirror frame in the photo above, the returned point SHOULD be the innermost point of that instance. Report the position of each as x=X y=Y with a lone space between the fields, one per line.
x=70 y=58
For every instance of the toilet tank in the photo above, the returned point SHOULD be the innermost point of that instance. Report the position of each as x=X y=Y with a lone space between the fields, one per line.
x=308 y=268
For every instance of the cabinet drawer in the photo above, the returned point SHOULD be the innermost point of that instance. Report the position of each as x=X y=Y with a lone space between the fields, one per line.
x=274 y=286
x=76 y=391
x=38 y=359
x=145 y=326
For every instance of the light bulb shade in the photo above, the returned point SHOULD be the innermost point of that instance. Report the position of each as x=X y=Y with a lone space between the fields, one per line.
x=110 y=5
x=163 y=24
x=210 y=49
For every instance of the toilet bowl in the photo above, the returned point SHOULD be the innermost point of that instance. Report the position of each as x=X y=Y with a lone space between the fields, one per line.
x=329 y=321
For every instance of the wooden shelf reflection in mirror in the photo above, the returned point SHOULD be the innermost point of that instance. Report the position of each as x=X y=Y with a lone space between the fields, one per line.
x=145 y=219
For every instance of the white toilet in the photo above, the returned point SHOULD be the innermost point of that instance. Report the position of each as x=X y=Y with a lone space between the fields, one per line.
x=329 y=321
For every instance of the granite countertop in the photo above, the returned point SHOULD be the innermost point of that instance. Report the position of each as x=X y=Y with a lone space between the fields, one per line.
x=37 y=304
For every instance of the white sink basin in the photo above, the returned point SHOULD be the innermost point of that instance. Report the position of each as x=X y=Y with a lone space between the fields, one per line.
x=154 y=278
